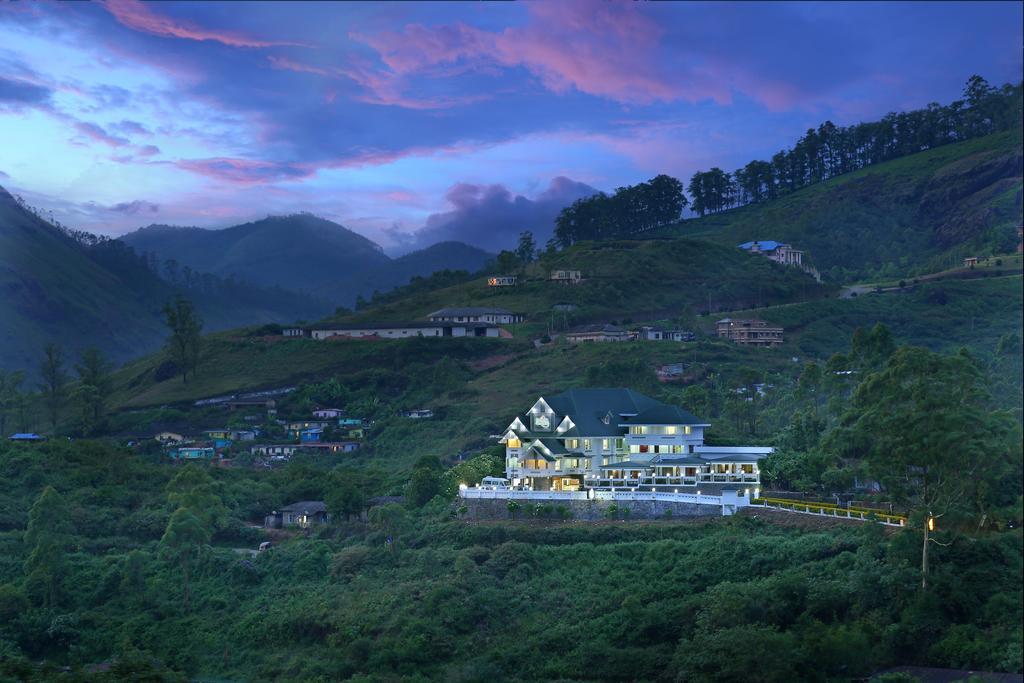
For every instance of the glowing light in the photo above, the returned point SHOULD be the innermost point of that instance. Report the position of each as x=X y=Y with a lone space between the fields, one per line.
x=931 y=524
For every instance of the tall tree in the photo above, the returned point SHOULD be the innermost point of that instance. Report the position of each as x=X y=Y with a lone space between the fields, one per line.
x=10 y=394
x=185 y=342
x=54 y=382
x=926 y=426
x=183 y=541
x=526 y=251
x=47 y=536
x=94 y=387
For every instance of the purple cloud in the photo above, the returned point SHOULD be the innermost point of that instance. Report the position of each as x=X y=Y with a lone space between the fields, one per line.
x=134 y=207
x=491 y=217
x=20 y=92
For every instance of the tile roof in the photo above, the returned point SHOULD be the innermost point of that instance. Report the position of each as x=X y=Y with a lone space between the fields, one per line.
x=468 y=310
x=763 y=245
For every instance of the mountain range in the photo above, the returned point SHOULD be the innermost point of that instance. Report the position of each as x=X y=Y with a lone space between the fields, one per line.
x=300 y=252
x=56 y=288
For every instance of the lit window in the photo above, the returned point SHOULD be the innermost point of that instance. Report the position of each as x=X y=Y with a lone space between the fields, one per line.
x=634 y=448
x=572 y=443
x=670 y=429
x=586 y=444
x=514 y=443
x=605 y=444
x=687 y=429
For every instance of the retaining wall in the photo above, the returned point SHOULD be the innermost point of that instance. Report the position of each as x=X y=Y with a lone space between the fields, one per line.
x=484 y=508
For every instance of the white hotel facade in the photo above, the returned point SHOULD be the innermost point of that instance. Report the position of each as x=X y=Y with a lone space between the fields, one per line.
x=619 y=439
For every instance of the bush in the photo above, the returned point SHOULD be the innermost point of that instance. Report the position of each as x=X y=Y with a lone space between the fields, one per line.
x=349 y=561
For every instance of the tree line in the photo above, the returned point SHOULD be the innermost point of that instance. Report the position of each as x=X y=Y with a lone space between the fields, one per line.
x=829 y=150
x=820 y=154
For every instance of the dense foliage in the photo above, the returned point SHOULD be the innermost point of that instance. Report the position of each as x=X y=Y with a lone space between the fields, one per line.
x=629 y=211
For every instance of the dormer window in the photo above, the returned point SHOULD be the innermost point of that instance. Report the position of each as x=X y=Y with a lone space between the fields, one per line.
x=542 y=423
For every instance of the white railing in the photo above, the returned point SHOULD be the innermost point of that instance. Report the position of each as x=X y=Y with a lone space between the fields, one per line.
x=732 y=501
x=520 y=494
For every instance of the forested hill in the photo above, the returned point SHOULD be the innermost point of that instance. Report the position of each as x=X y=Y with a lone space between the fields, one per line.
x=80 y=292
x=915 y=214
x=300 y=252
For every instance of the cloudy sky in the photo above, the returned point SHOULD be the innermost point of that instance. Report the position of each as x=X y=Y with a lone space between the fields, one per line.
x=411 y=122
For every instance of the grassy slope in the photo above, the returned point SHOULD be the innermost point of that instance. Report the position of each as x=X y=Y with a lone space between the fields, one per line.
x=918 y=213
x=624 y=279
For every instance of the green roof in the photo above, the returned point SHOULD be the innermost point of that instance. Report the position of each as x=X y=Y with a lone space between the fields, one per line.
x=662 y=414
x=627 y=465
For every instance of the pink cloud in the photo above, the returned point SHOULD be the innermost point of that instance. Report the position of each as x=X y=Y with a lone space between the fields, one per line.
x=608 y=50
x=96 y=133
x=245 y=171
x=137 y=16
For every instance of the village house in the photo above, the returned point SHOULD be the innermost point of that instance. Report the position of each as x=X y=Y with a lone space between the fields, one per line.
x=471 y=314
x=408 y=330
x=750 y=332
x=564 y=306
x=597 y=333
x=502 y=281
x=304 y=514
x=331 y=447
x=614 y=438
x=970 y=262
x=776 y=251
x=294 y=332
x=418 y=414
x=648 y=333
x=328 y=413
x=311 y=435
x=295 y=428
x=566 y=277
x=193 y=453
x=274 y=450
x=169 y=438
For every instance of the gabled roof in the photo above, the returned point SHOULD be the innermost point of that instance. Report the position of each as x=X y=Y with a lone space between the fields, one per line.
x=662 y=414
x=763 y=245
x=605 y=328
x=306 y=506
x=588 y=408
x=468 y=311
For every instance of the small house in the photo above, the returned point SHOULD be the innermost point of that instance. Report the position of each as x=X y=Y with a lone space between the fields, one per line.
x=26 y=437
x=502 y=281
x=418 y=414
x=311 y=435
x=328 y=413
x=597 y=333
x=274 y=450
x=170 y=438
x=970 y=261
x=193 y=453
x=776 y=251
x=566 y=277
x=475 y=314
x=294 y=332
x=331 y=447
x=749 y=332
x=304 y=514
x=564 y=306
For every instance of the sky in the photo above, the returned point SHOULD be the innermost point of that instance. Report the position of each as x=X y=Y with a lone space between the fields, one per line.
x=415 y=122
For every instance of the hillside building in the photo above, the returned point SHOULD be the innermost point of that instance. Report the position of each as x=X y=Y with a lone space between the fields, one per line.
x=294 y=332
x=614 y=438
x=407 y=330
x=597 y=333
x=647 y=333
x=776 y=251
x=502 y=281
x=304 y=514
x=749 y=332
x=566 y=277
x=470 y=314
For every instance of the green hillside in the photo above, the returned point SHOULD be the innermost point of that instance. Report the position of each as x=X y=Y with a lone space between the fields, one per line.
x=910 y=215
x=638 y=280
x=55 y=289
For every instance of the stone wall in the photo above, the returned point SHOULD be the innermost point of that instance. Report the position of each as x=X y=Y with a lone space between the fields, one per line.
x=491 y=508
